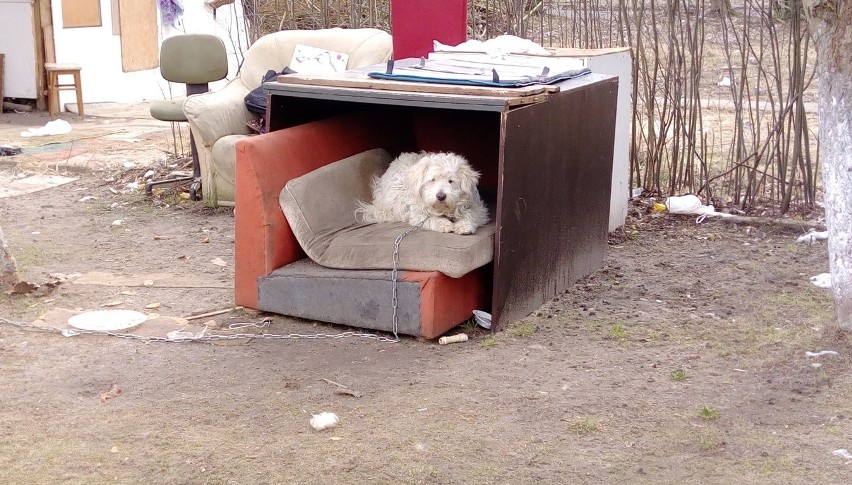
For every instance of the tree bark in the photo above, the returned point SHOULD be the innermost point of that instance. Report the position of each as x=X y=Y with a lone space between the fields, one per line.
x=8 y=268
x=831 y=25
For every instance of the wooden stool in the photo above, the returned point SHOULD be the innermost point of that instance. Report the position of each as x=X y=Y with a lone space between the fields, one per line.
x=54 y=70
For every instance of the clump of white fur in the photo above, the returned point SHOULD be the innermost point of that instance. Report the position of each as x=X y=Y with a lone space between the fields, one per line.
x=439 y=188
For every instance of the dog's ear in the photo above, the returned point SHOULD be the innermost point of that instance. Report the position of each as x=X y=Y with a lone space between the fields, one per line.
x=415 y=175
x=468 y=178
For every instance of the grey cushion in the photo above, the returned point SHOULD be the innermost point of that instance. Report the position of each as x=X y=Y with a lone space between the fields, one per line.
x=320 y=207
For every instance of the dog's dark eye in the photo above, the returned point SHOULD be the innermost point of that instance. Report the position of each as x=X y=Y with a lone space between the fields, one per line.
x=452 y=181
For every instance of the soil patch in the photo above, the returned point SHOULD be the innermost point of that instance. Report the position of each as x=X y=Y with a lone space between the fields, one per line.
x=682 y=360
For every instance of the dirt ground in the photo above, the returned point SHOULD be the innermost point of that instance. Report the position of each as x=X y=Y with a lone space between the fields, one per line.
x=681 y=361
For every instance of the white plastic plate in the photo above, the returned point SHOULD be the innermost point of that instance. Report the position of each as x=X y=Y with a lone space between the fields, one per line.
x=482 y=318
x=107 y=320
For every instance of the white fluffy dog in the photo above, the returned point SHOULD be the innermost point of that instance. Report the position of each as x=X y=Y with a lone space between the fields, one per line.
x=438 y=188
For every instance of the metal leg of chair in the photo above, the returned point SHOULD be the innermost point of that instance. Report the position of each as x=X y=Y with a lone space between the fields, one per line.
x=195 y=188
x=149 y=185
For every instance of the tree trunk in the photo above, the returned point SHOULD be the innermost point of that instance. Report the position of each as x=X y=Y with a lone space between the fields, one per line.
x=831 y=24
x=8 y=268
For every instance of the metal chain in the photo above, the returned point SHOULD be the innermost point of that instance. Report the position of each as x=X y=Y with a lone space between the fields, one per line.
x=204 y=337
x=395 y=300
x=70 y=332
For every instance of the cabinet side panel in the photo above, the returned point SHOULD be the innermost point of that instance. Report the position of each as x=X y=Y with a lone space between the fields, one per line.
x=554 y=189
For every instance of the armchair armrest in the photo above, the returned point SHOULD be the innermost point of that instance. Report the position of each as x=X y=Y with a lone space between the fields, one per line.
x=220 y=113
x=263 y=238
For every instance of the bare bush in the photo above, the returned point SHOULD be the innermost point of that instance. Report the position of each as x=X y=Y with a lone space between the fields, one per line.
x=721 y=92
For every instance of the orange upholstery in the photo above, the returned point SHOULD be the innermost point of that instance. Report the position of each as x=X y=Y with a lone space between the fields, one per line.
x=265 y=163
x=445 y=301
x=264 y=241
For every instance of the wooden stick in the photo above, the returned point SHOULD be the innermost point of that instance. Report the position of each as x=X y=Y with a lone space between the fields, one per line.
x=768 y=221
x=17 y=107
x=335 y=383
x=212 y=314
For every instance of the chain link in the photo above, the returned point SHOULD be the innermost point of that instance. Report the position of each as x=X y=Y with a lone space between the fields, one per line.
x=395 y=300
x=205 y=337
x=71 y=332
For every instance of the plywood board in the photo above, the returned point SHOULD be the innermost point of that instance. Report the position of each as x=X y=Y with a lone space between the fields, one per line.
x=361 y=80
x=81 y=13
x=139 y=47
x=11 y=187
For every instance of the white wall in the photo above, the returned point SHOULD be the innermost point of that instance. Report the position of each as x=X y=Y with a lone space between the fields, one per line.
x=99 y=52
x=18 y=46
x=619 y=63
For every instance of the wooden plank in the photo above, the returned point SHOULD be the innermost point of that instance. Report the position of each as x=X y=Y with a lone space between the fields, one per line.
x=42 y=18
x=139 y=46
x=574 y=52
x=81 y=13
x=49 y=45
x=116 y=16
x=402 y=98
x=362 y=81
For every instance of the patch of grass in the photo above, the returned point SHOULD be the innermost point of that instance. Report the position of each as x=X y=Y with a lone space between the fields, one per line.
x=524 y=330
x=469 y=325
x=26 y=256
x=811 y=302
x=430 y=472
x=617 y=332
x=708 y=441
x=585 y=425
x=679 y=375
x=709 y=413
x=15 y=305
x=489 y=341
x=484 y=474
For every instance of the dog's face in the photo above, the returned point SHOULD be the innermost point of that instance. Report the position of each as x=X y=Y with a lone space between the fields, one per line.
x=443 y=181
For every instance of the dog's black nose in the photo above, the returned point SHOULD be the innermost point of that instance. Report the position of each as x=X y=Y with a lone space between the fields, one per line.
x=441 y=196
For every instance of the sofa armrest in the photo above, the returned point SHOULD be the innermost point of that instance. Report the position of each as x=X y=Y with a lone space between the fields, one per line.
x=263 y=238
x=219 y=113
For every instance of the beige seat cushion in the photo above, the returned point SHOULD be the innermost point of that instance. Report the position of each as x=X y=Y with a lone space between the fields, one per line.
x=320 y=207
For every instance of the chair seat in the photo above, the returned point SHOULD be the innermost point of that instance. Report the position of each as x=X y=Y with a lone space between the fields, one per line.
x=59 y=66
x=168 y=110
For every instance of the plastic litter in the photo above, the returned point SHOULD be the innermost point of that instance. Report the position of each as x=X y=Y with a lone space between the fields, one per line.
x=324 y=420
x=822 y=280
x=812 y=236
x=842 y=453
x=183 y=335
x=820 y=353
x=453 y=339
x=483 y=319
x=691 y=204
x=55 y=127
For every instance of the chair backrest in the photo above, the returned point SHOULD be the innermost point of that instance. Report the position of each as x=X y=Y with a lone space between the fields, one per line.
x=193 y=59
x=274 y=51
